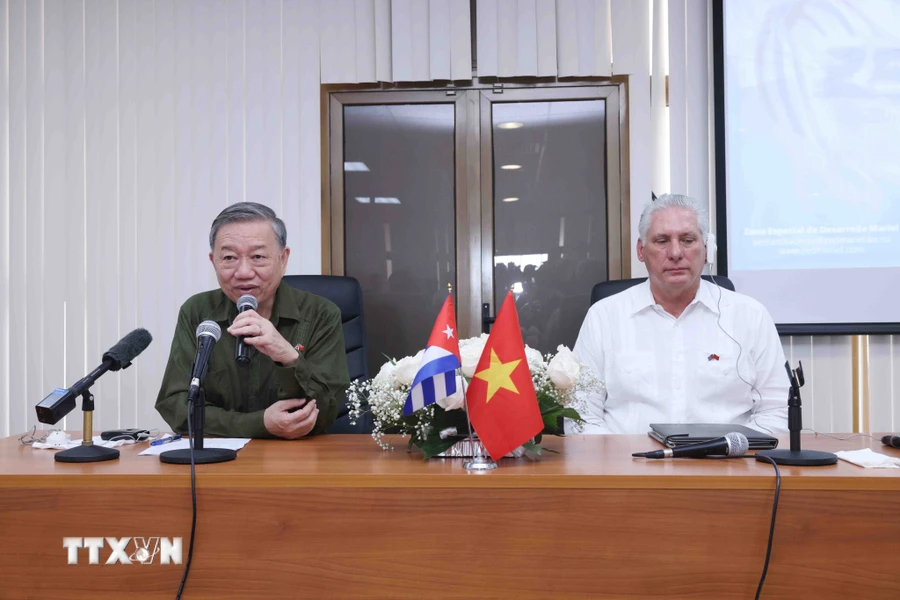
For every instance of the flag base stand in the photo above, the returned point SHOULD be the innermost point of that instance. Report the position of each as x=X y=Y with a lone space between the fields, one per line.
x=480 y=463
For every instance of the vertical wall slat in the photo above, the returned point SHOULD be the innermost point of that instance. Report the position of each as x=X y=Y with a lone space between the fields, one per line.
x=55 y=247
x=34 y=200
x=567 y=44
x=677 y=99
x=460 y=40
x=75 y=258
x=307 y=244
x=364 y=38
x=164 y=137
x=587 y=34
x=235 y=126
x=659 y=113
x=698 y=110
x=129 y=400
x=5 y=289
x=382 y=40
x=439 y=39
x=882 y=384
x=264 y=104
x=338 y=39
x=419 y=43
x=203 y=125
x=101 y=185
x=18 y=306
x=152 y=282
x=526 y=37
x=486 y=37
x=802 y=351
x=218 y=144
x=183 y=165
x=401 y=39
x=507 y=40
x=545 y=18
x=603 y=39
x=290 y=104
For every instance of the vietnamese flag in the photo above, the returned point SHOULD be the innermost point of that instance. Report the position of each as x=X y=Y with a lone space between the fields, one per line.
x=501 y=401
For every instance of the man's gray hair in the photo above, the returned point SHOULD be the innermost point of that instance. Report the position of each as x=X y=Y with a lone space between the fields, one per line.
x=245 y=212
x=672 y=201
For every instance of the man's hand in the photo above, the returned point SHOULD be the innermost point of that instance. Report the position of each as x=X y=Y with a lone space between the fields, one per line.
x=262 y=335
x=280 y=421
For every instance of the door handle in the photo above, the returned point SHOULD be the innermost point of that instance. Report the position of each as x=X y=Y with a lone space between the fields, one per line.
x=486 y=319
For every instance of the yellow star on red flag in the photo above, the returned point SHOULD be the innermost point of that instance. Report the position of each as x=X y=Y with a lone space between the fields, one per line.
x=498 y=375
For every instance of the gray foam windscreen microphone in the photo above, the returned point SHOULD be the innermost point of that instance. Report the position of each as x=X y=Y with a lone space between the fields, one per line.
x=247 y=302
x=737 y=444
x=127 y=349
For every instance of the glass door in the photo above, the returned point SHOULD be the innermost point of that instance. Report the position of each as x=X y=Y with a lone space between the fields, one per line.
x=548 y=174
x=478 y=190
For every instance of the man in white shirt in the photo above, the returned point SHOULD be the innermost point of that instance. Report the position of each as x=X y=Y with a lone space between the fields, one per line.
x=676 y=348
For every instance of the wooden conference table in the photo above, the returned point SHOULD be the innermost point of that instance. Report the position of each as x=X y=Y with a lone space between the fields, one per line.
x=337 y=517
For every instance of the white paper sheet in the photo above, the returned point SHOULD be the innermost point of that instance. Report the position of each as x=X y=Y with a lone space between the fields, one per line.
x=183 y=444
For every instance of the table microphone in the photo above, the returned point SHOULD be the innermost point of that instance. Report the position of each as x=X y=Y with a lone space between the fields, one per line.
x=891 y=440
x=241 y=352
x=733 y=444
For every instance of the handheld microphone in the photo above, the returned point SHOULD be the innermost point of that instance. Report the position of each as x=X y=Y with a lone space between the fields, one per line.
x=241 y=352
x=62 y=401
x=733 y=444
x=891 y=440
x=208 y=333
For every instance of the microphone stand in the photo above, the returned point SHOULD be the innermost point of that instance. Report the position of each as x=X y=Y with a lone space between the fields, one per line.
x=197 y=454
x=796 y=457
x=87 y=451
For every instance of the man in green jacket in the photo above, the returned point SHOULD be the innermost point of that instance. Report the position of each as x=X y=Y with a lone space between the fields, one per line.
x=297 y=374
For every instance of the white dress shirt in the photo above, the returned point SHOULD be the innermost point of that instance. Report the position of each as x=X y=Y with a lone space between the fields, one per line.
x=659 y=369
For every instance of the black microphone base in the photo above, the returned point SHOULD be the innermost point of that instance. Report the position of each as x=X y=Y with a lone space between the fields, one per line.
x=202 y=456
x=799 y=458
x=85 y=454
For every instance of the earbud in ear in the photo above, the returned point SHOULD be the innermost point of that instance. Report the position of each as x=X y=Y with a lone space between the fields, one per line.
x=711 y=248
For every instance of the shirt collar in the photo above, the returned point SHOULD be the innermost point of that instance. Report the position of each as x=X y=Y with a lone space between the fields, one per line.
x=225 y=310
x=643 y=297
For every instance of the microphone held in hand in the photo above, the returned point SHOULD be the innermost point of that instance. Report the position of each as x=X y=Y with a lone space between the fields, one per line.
x=733 y=444
x=241 y=352
x=208 y=333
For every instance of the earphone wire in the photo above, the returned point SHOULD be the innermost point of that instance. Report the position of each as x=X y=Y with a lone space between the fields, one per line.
x=737 y=365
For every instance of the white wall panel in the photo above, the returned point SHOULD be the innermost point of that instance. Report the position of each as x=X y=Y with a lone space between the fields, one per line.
x=127 y=125
x=18 y=305
x=4 y=217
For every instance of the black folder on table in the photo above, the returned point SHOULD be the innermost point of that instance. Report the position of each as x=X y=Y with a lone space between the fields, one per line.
x=676 y=435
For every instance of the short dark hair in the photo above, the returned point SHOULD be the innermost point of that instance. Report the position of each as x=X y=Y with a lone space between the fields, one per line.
x=245 y=212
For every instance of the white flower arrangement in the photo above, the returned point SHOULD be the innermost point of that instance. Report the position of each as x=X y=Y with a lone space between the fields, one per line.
x=560 y=384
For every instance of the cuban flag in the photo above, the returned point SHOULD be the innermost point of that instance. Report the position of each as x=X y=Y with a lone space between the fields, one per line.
x=436 y=377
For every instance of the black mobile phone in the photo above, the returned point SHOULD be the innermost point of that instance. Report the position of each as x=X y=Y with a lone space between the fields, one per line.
x=124 y=434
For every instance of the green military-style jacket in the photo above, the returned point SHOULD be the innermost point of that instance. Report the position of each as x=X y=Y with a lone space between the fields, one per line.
x=237 y=396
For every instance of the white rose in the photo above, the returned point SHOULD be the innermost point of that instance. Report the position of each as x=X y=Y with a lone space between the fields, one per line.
x=385 y=378
x=408 y=367
x=534 y=358
x=564 y=369
x=470 y=354
x=455 y=400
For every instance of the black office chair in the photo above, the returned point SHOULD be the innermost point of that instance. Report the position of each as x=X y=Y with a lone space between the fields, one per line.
x=605 y=289
x=346 y=293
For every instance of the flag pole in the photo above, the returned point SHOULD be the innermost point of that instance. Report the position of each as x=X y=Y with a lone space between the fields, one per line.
x=479 y=460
